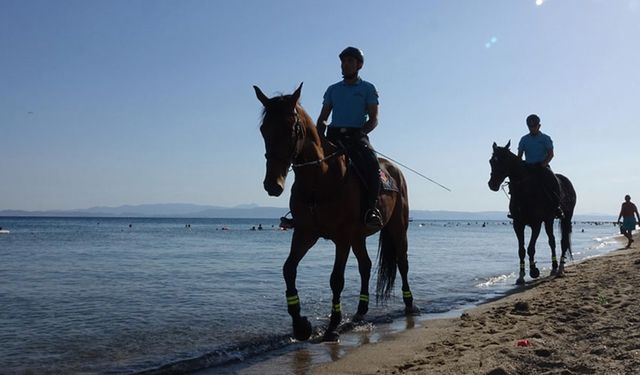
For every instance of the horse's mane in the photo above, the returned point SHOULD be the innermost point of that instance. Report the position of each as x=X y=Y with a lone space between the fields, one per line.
x=277 y=98
x=306 y=120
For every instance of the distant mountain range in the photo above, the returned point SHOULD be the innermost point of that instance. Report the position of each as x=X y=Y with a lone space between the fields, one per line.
x=249 y=211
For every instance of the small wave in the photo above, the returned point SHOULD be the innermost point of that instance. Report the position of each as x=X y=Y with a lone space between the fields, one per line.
x=244 y=351
x=221 y=357
x=491 y=281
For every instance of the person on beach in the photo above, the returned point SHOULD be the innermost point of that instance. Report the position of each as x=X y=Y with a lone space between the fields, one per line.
x=537 y=148
x=353 y=105
x=628 y=224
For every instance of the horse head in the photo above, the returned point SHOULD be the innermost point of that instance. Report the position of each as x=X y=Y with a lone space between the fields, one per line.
x=283 y=137
x=502 y=162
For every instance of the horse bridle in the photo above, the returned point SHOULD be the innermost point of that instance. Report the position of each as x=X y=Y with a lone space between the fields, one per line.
x=513 y=182
x=297 y=139
x=297 y=136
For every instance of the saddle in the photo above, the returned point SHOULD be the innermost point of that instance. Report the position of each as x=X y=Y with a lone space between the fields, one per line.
x=535 y=194
x=386 y=182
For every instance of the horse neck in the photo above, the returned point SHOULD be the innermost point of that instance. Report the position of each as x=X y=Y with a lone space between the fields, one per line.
x=312 y=148
x=518 y=173
x=316 y=148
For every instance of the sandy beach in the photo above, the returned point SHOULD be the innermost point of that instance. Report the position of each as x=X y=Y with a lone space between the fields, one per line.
x=587 y=322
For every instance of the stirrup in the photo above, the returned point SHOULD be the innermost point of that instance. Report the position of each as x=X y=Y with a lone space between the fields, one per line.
x=286 y=223
x=373 y=219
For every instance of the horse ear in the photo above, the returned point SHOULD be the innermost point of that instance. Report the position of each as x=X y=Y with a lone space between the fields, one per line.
x=296 y=94
x=261 y=97
x=508 y=145
x=495 y=146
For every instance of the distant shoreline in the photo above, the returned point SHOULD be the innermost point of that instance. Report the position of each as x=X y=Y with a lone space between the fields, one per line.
x=579 y=218
x=188 y=211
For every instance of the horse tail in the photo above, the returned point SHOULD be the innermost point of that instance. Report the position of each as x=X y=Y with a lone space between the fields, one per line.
x=387 y=265
x=566 y=229
x=568 y=203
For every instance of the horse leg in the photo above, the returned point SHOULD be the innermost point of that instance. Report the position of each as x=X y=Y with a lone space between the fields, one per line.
x=548 y=228
x=518 y=228
x=534 y=272
x=364 y=267
x=337 y=284
x=565 y=240
x=403 y=267
x=300 y=245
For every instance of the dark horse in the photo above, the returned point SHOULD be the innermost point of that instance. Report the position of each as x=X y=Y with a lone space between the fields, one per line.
x=326 y=202
x=531 y=205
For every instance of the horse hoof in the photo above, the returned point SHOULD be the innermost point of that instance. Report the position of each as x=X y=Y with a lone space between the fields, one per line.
x=534 y=273
x=302 y=329
x=413 y=310
x=520 y=281
x=331 y=336
x=357 y=318
x=554 y=272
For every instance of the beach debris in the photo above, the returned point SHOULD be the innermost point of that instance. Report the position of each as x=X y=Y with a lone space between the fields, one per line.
x=523 y=343
x=543 y=353
x=521 y=306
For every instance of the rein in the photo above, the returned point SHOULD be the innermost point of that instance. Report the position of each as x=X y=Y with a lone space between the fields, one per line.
x=316 y=162
x=298 y=149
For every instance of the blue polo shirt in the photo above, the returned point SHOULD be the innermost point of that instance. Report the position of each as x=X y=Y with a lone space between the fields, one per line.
x=535 y=147
x=350 y=103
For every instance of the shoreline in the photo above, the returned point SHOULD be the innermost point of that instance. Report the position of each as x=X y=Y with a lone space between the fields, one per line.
x=586 y=322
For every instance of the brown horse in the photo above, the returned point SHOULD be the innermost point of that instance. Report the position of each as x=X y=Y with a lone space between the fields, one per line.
x=326 y=202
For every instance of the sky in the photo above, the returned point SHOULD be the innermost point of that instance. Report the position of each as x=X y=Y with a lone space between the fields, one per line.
x=106 y=103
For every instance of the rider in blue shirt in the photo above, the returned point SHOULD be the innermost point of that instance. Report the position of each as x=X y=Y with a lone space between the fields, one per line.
x=537 y=148
x=353 y=105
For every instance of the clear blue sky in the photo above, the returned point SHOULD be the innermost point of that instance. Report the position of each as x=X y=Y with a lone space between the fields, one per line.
x=131 y=102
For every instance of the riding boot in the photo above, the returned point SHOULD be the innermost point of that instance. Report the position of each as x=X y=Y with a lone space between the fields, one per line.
x=372 y=217
x=553 y=186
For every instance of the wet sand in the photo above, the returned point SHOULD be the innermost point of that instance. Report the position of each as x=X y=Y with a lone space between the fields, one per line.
x=587 y=322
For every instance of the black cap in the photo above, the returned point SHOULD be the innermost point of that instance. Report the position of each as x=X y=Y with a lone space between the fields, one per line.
x=533 y=120
x=354 y=52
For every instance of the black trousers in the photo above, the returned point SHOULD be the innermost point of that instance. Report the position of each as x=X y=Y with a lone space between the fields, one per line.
x=363 y=156
x=549 y=182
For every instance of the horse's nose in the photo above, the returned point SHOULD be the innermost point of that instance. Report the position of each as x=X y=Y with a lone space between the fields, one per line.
x=493 y=186
x=273 y=189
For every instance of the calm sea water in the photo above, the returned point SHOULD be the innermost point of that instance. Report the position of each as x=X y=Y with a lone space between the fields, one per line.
x=115 y=295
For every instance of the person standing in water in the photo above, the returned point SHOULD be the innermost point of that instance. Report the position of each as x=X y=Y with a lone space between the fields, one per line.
x=627 y=212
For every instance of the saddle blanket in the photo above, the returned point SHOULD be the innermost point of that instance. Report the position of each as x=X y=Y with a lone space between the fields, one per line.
x=386 y=182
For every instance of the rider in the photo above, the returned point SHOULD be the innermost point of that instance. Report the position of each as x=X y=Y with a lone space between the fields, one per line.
x=353 y=104
x=538 y=151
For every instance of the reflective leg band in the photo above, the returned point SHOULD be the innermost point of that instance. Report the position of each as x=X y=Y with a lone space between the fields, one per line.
x=406 y=294
x=336 y=308
x=364 y=297
x=293 y=300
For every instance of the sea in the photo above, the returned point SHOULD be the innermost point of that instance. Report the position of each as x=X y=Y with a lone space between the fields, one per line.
x=175 y=295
